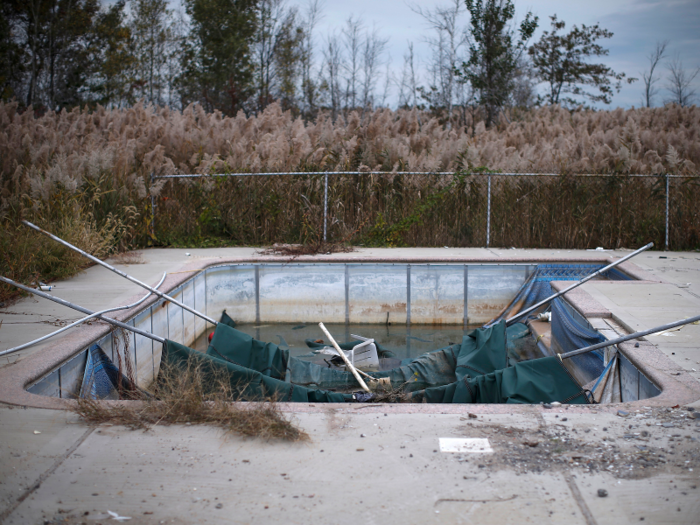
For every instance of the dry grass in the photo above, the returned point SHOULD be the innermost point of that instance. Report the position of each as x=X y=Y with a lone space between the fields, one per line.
x=128 y=258
x=87 y=177
x=191 y=397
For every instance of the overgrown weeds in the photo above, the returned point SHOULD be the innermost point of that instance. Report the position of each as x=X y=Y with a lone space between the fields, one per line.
x=188 y=395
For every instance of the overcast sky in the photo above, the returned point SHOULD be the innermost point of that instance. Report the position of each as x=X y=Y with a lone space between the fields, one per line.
x=637 y=26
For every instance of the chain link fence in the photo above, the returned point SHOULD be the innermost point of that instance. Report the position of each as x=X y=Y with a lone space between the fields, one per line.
x=533 y=210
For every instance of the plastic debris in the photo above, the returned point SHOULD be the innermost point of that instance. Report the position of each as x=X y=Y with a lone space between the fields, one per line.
x=117 y=517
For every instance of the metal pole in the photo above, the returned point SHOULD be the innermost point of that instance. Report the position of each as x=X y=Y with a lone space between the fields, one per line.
x=630 y=336
x=119 y=272
x=579 y=283
x=667 y=199
x=488 y=214
x=325 y=206
x=81 y=309
x=80 y=321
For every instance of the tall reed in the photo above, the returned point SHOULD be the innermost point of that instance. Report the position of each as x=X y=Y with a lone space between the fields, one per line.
x=87 y=176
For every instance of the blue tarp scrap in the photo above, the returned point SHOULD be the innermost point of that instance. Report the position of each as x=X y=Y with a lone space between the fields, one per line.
x=101 y=376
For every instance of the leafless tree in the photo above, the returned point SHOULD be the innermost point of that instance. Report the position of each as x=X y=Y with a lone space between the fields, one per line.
x=679 y=82
x=332 y=58
x=408 y=89
x=446 y=44
x=649 y=77
x=309 y=86
x=352 y=40
x=372 y=51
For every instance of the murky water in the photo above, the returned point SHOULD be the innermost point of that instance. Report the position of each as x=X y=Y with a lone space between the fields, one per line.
x=402 y=340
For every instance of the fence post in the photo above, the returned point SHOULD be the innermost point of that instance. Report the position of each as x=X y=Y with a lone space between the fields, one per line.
x=667 y=199
x=325 y=206
x=153 y=208
x=488 y=213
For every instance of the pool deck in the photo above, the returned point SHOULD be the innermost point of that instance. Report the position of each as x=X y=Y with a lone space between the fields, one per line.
x=360 y=463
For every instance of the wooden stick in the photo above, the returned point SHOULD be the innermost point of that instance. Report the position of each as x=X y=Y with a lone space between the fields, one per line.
x=345 y=359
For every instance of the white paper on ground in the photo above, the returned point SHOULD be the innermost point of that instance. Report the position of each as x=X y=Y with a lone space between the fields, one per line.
x=466 y=445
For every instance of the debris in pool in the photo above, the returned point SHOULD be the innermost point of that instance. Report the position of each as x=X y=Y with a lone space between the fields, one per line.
x=299 y=327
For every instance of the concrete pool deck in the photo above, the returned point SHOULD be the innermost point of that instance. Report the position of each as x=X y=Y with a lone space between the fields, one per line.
x=397 y=471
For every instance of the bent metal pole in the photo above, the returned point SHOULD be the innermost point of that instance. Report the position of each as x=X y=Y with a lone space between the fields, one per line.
x=79 y=322
x=579 y=283
x=119 y=272
x=81 y=309
x=635 y=335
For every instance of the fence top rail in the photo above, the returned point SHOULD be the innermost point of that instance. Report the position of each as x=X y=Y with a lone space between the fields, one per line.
x=301 y=173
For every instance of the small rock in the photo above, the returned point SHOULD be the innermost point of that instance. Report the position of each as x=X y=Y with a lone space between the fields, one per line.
x=636 y=345
x=623 y=413
x=602 y=493
x=667 y=425
x=219 y=506
x=555 y=403
x=472 y=416
x=546 y=405
x=363 y=436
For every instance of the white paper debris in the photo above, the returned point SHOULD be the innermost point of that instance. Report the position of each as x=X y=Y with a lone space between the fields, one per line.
x=117 y=517
x=466 y=445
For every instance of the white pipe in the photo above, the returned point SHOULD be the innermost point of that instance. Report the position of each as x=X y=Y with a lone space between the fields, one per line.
x=345 y=359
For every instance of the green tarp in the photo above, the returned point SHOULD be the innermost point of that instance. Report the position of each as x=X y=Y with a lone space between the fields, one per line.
x=475 y=371
x=538 y=381
x=249 y=384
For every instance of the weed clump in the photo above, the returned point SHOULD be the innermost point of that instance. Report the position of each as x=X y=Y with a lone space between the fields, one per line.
x=190 y=396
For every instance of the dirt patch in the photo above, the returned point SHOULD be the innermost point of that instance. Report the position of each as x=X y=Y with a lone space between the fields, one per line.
x=316 y=248
x=636 y=446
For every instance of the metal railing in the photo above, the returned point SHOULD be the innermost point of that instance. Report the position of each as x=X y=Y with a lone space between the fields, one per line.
x=489 y=175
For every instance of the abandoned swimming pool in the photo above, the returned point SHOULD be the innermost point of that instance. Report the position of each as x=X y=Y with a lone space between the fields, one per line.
x=414 y=307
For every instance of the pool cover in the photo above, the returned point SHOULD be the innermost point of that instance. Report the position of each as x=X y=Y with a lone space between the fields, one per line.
x=475 y=371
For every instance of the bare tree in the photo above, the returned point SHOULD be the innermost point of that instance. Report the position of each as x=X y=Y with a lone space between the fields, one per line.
x=270 y=19
x=648 y=76
x=372 y=51
x=352 y=39
x=679 y=82
x=446 y=44
x=408 y=90
x=332 y=57
x=309 y=86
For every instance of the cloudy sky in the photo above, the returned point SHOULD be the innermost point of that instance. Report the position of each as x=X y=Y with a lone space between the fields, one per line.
x=637 y=26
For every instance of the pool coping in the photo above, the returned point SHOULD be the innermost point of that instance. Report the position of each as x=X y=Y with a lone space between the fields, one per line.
x=679 y=389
